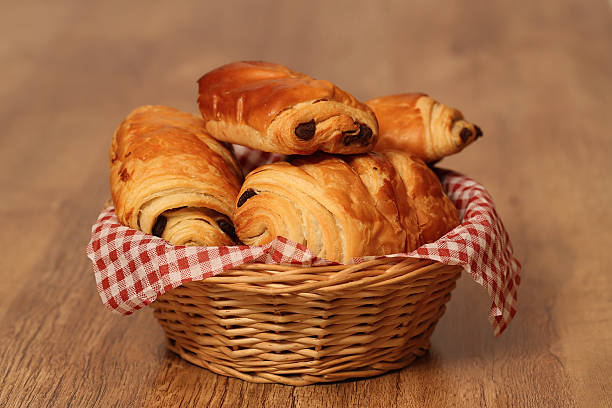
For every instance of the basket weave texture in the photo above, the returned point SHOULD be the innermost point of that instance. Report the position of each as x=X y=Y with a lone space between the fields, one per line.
x=304 y=325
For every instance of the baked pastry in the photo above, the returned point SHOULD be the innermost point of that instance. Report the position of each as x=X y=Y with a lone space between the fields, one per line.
x=435 y=212
x=339 y=207
x=418 y=124
x=392 y=200
x=171 y=179
x=269 y=107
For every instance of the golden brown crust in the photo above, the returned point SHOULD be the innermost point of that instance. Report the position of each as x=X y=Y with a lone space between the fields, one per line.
x=167 y=172
x=418 y=124
x=272 y=108
x=435 y=212
x=339 y=208
x=391 y=199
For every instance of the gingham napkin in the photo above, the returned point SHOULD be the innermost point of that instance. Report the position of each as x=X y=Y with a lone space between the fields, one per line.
x=132 y=268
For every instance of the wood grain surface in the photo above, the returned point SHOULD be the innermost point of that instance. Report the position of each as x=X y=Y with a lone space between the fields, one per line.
x=537 y=77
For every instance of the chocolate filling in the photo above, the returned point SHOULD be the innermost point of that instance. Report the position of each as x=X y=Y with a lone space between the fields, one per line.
x=306 y=130
x=362 y=137
x=465 y=134
x=248 y=193
x=228 y=228
x=478 y=131
x=160 y=225
x=124 y=175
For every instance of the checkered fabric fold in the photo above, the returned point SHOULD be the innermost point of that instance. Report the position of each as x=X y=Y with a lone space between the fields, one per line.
x=132 y=268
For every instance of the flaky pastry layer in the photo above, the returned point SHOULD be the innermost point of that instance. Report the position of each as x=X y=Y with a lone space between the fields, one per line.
x=339 y=207
x=168 y=172
x=435 y=212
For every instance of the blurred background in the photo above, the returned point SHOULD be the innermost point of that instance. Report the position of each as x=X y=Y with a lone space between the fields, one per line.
x=536 y=77
x=71 y=72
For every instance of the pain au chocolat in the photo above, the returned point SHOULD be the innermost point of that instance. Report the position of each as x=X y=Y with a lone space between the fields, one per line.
x=269 y=107
x=339 y=207
x=420 y=125
x=170 y=178
x=435 y=212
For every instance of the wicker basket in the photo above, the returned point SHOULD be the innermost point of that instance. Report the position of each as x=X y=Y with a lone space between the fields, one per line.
x=299 y=326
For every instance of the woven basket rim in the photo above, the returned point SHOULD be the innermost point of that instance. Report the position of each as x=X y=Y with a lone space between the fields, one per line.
x=277 y=279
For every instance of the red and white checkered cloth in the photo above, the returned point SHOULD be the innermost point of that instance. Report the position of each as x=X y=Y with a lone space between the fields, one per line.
x=133 y=268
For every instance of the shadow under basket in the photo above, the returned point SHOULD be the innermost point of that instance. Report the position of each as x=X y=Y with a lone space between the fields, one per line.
x=298 y=326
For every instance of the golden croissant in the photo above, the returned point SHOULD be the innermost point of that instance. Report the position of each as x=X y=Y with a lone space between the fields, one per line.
x=269 y=107
x=170 y=178
x=342 y=207
x=422 y=126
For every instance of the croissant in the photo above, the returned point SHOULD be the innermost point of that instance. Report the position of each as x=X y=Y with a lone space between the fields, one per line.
x=171 y=179
x=418 y=124
x=435 y=212
x=269 y=107
x=385 y=185
x=339 y=207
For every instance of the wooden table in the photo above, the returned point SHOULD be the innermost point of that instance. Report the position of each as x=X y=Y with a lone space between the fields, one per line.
x=536 y=77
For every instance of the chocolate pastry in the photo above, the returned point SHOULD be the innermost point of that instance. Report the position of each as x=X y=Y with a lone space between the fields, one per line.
x=340 y=207
x=170 y=178
x=269 y=107
x=435 y=212
x=418 y=124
